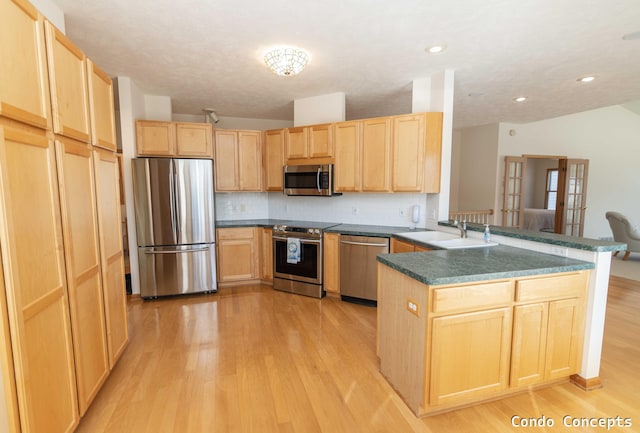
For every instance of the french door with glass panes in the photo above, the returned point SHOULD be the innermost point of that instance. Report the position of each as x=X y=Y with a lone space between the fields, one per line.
x=513 y=205
x=572 y=196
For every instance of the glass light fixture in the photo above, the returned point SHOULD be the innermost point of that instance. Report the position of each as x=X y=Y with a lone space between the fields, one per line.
x=588 y=79
x=286 y=61
x=520 y=99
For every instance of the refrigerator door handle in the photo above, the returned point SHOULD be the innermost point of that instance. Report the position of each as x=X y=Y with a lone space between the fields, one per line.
x=176 y=204
x=192 y=250
x=172 y=201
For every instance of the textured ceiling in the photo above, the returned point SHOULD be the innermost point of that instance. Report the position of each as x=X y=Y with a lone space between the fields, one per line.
x=208 y=53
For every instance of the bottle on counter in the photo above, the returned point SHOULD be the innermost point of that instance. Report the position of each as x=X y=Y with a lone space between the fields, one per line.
x=487 y=233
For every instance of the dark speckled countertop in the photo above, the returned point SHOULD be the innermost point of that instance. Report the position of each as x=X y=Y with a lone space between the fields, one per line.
x=477 y=264
x=366 y=230
x=248 y=223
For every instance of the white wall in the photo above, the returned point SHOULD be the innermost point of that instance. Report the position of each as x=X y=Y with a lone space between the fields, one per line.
x=319 y=109
x=52 y=12
x=474 y=168
x=608 y=137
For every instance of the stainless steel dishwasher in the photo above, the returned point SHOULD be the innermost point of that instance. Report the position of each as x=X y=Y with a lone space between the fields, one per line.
x=359 y=268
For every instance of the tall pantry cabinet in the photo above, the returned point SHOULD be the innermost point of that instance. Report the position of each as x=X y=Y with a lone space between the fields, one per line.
x=63 y=318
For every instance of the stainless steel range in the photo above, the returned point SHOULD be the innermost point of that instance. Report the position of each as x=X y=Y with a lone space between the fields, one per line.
x=297 y=257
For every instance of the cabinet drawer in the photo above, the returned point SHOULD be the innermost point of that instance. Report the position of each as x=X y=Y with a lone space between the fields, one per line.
x=551 y=287
x=236 y=233
x=472 y=297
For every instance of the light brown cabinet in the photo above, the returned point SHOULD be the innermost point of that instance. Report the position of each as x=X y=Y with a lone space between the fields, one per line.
x=273 y=159
x=101 y=108
x=306 y=143
x=238 y=160
x=474 y=341
x=107 y=173
x=238 y=254
x=545 y=346
x=24 y=87
x=332 y=262
x=401 y=246
x=36 y=286
x=363 y=154
x=84 y=276
x=267 y=255
x=417 y=143
x=170 y=139
x=68 y=85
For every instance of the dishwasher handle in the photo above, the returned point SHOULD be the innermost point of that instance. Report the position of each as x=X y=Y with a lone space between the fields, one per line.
x=364 y=244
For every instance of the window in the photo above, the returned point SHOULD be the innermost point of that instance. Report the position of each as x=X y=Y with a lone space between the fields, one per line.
x=551 y=194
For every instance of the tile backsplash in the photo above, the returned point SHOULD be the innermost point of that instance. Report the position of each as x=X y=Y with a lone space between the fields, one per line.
x=353 y=208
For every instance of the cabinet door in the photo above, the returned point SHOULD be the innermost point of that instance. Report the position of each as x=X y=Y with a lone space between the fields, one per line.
x=332 y=262
x=348 y=142
x=24 y=87
x=226 y=173
x=103 y=124
x=237 y=254
x=80 y=228
x=194 y=139
x=36 y=288
x=267 y=254
x=297 y=143
x=376 y=154
x=68 y=84
x=273 y=159
x=111 y=252
x=408 y=152
x=469 y=355
x=398 y=246
x=155 y=138
x=529 y=343
x=250 y=160
x=564 y=338
x=321 y=141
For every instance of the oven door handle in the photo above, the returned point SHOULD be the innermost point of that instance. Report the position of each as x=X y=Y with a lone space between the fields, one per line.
x=302 y=240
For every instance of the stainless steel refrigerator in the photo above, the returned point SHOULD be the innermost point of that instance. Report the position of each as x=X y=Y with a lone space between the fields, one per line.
x=175 y=225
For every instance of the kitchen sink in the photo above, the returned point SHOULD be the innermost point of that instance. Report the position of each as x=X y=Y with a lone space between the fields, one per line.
x=451 y=244
x=427 y=236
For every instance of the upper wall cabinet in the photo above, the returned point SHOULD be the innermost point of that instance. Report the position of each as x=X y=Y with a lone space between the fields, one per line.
x=273 y=159
x=68 y=84
x=24 y=86
x=308 y=142
x=363 y=153
x=103 y=124
x=157 y=138
x=238 y=160
x=417 y=145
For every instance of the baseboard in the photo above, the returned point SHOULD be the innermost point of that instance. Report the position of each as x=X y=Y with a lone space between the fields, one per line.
x=134 y=297
x=586 y=384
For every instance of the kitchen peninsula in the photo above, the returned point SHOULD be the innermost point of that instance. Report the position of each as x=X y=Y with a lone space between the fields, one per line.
x=457 y=327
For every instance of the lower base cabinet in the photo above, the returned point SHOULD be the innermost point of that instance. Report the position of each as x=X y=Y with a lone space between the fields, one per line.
x=466 y=343
x=331 y=262
x=238 y=254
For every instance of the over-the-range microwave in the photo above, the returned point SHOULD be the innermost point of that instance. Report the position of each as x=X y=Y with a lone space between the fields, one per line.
x=309 y=180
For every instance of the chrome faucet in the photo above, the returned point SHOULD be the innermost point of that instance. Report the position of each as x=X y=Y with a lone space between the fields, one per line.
x=462 y=226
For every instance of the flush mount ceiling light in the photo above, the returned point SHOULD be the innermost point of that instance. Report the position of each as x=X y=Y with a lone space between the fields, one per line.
x=520 y=99
x=286 y=61
x=435 y=49
x=587 y=79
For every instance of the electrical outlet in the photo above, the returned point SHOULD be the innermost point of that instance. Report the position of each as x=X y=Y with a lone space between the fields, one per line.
x=243 y=208
x=413 y=307
x=402 y=212
x=560 y=251
x=354 y=210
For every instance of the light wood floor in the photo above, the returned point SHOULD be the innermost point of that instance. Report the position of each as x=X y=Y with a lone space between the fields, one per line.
x=256 y=360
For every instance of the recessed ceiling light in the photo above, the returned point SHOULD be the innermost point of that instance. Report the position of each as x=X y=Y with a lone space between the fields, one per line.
x=587 y=79
x=520 y=99
x=435 y=49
